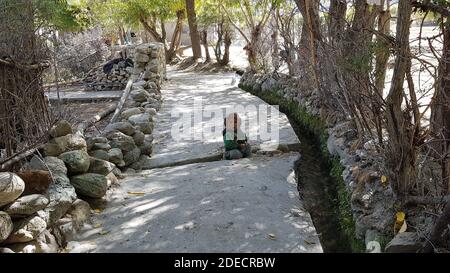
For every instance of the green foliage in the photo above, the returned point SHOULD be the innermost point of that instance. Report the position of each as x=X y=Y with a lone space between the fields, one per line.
x=62 y=15
x=343 y=207
x=362 y=61
x=112 y=14
x=208 y=13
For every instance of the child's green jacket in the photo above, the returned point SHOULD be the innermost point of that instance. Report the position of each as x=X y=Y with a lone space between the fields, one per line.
x=229 y=139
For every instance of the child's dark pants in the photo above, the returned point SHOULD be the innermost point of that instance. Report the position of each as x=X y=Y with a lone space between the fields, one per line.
x=239 y=153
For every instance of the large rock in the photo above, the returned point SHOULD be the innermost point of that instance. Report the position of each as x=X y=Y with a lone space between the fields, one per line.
x=27 y=205
x=151 y=111
x=60 y=193
x=44 y=243
x=71 y=142
x=124 y=127
x=140 y=118
x=406 y=242
x=101 y=146
x=97 y=140
x=64 y=231
x=147 y=147
x=121 y=141
x=59 y=145
x=100 y=166
x=6 y=226
x=61 y=128
x=116 y=157
x=100 y=154
x=141 y=58
x=80 y=212
x=139 y=95
x=55 y=165
x=142 y=122
x=76 y=161
x=51 y=149
x=90 y=184
x=131 y=112
x=144 y=160
x=5 y=250
x=26 y=230
x=36 y=182
x=131 y=156
x=112 y=179
x=144 y=49
x=11 y=187
x=36 y=163
x=139 y=138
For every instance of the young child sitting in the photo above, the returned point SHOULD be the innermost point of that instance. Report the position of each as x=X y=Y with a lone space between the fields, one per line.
x=235 y=140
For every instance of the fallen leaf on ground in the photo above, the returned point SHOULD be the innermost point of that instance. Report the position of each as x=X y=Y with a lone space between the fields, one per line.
x=98 y=210
x=272 y=236
x=400 y=217
x=403 y=228
x=400 y=222
x=137 y=193
x=384 y=180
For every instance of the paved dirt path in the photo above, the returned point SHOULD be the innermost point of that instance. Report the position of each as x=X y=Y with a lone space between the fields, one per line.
x=249 y=205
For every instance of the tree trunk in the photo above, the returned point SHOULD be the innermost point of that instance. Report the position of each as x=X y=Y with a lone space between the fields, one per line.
x=381 y=65
x=442 y=224
x=163 y=29
x=220 y=34
x=176 y=36
x=311 y=35
x=195 y=37
x=403 y=154
x=24 y=114
x=440 y=108
x=150 y=28
x=251 y=48
x=227 y=43
x=382 y=56
x=205 y=44
x=275 y=49
x=336 y=27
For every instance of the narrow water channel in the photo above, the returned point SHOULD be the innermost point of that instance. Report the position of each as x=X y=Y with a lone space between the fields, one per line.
x=318 y=191
x=317 y=188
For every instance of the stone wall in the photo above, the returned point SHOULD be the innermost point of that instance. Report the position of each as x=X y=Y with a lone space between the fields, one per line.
x=128 y=142
x=41 y=203
x=42 y=207
x=148 y=60
x=372 y=202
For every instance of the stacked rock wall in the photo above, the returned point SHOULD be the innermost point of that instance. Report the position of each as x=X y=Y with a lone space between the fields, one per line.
x=128 y=142
x=148 y=60
x=115 y=78
x=42 y=207
x=41 y=200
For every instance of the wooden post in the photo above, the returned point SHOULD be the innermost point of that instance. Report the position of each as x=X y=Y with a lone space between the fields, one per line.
x=124 y=97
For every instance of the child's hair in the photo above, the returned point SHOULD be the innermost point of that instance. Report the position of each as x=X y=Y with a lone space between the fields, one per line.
x=232 y=122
